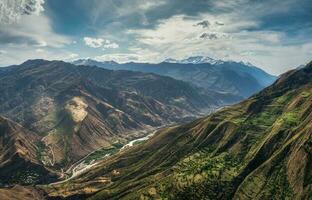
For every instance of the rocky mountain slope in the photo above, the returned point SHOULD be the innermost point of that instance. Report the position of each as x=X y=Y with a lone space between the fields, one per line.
x=18 y=156
x=260 y=148
x=71 y=110
x=20 y=193
x=233 y=80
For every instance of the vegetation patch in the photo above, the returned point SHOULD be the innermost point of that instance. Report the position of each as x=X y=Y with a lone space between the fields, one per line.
x=25 y=177
x=199 y=176
x=40 y=149
x=99 y=154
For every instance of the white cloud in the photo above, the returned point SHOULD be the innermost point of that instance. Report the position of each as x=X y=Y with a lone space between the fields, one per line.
x=31 y=30
x=94 y=42
x=12 y=10
x=120 y=57
x=147 y=5
x=137 y=54
x=71 y=56
x=111 y=45
x=177 y=37
x=100 y=42
x=27 y=33
x=16 y=55
x=40 y=50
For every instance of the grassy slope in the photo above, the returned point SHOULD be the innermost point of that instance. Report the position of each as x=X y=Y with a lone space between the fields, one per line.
x=258 y=149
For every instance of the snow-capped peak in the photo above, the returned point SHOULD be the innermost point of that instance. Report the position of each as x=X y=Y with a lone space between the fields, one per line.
x=195 y=60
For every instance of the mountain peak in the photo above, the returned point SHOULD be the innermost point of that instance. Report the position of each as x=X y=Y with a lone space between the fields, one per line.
x=203 y=60
x=194 y=60
x=171 y=60
x=34 y=62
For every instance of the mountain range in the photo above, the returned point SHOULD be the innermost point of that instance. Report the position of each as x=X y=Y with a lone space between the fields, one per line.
x=260 y=148
x=84 y=132
x=235 y=80
x=54 y=113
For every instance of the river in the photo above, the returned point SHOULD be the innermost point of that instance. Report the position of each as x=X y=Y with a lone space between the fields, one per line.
x=80 y=166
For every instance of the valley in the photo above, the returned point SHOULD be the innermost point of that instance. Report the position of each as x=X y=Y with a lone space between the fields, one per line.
x=80 y=114
x=155 y=100
x=93 y=158
x=250 y=150
x=219 y=156
x=97 y=133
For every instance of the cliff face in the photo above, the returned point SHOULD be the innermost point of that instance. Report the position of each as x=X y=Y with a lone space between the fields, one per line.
x=257 y=149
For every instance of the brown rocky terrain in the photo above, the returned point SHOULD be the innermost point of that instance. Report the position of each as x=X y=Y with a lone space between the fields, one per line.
x=19 y=162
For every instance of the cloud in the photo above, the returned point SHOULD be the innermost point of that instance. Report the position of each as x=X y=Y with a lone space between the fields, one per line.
x=32 y=30
x=71 y=56
x=94 y=42
x=26 y=33
x=239 y=40
x=203 y=24
x=40 y=50
x=119 y=57
x=12 y=10
x=219 y=23
x=100 y=42
x=16 y=54
x=135 y=54
x=210 y=36
x=148 y=30
x=111 y=46
x=148 y=5
x=21 y=23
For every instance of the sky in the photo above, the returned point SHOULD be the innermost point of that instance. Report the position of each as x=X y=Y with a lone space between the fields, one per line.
x=274 y=35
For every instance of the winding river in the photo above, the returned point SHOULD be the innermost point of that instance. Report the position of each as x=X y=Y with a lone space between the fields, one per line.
x=80 y=166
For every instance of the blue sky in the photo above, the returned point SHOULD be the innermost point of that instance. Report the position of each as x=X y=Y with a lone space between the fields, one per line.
x=272 y=34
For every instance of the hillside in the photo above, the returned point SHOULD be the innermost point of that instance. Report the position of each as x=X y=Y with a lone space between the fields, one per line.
x=75 y=110
x=258 y=149
x=234 y=81
x=18 y=156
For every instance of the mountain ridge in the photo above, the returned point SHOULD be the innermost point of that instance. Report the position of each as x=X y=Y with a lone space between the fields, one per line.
x=75 y=110
x=237 y=80
x=195 y=60
x=257 y=149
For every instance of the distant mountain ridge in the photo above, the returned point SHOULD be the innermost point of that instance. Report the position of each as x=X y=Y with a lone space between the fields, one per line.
x=194 y=60
x=204 y=59
x=235 y=79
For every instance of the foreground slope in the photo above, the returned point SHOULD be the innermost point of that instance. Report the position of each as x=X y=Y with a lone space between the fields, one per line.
x=74 y=110
x=260 y=148
x=20 y=193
